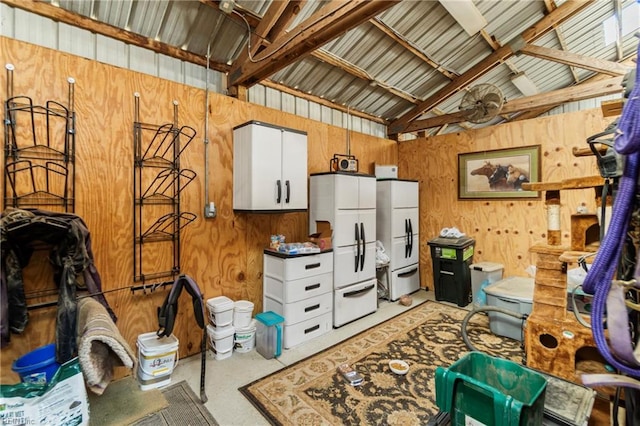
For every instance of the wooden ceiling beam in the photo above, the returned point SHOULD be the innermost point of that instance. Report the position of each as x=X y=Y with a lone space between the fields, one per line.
x=60 y=15
x=391 y=33
x=574 y=93
x=575 y=60
x=293 y=8
x=332 y=20
x=261 y=31
x=559 y=15
x=358 y=72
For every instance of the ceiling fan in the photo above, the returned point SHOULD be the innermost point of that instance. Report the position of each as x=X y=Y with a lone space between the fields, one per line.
x=481 y=103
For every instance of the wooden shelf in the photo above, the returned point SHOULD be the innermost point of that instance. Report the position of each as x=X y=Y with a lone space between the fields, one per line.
x=573 y=183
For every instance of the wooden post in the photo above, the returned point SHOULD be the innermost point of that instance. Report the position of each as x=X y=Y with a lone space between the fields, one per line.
x=554 y=232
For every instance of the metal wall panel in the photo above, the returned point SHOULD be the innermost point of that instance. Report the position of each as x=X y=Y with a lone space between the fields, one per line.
x=112 y=51
x=76 y=41
x=142 y=60
x=7 y=21
x=257 y=95
x=35 y=29
x=314 y=111
x=195 y=75
x=302 y=107
x=288 y=103
x=170 y=68
x=273 y=98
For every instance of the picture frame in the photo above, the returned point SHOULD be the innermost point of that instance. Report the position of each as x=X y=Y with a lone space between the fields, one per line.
x=498 y=173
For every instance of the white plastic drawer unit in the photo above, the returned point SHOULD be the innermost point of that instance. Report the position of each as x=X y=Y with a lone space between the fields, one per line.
x=289 y=280
x=294 y=290
x=292 y=268
x=307 y=330
x=354 y=301
x=301 y=310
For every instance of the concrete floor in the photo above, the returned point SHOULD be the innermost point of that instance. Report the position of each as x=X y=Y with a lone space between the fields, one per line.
x=224 y=377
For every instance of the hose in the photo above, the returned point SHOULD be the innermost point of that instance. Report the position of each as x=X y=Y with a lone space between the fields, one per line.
x=466 y=319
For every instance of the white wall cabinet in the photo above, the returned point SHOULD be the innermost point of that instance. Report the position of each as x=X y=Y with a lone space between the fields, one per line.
x=269 y=168
x=397 y=226
x=300 y=289
x=348 y=202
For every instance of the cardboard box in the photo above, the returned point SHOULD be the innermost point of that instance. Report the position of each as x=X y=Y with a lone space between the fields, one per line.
x=322 y=236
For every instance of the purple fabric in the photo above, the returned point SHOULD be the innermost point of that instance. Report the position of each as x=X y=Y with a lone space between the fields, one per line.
x=598 y=280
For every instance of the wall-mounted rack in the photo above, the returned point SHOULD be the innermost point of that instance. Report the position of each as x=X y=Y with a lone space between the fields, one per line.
x=39 y=151
x=158 y=183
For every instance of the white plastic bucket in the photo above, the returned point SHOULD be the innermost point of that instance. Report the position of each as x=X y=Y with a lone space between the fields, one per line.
x=220 y=311
x=245 y=338
x=242 y=313
x=157 y=357
x=221 y=341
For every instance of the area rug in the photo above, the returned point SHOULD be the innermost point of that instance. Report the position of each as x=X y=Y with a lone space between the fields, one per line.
x=184 y=408
x=311 y=392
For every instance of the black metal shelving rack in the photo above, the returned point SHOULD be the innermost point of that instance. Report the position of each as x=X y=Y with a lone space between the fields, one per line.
x=158 y=181
x=39 y=151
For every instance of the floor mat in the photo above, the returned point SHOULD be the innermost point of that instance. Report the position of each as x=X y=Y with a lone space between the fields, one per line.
x=123 y=403
x=185 y=408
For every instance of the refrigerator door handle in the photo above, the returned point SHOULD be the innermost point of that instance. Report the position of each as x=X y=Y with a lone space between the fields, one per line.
x=357 y=236
x=364 y=242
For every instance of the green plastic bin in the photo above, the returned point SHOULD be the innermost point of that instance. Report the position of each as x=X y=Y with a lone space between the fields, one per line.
x=490 y=390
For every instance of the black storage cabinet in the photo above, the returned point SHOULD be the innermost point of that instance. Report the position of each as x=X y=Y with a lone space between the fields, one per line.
x=451 y=273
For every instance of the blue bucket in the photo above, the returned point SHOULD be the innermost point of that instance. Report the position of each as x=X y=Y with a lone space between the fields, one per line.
x=38 y=366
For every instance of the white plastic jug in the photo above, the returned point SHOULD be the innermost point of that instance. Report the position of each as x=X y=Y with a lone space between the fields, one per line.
x=269 y=334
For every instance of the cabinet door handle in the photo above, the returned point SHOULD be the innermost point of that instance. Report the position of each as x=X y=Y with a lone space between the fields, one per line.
x=357 y=292
x=279 y=185
x=409 y=273
x=355 y=269
x=410 y=237
x=406 y=238
x=446 y=272
x=312 y=287
x=312 y=308
x=288 y=185
x=310 y=329
x=312 y=265
x=364 y=242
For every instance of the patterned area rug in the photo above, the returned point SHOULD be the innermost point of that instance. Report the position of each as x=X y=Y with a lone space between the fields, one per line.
x=311 y=392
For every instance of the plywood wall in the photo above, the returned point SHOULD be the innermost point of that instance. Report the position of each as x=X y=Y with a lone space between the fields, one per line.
x=503 y=229
x=224 y=255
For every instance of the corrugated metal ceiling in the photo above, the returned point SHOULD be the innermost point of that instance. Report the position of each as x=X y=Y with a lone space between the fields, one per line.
x=395 y=75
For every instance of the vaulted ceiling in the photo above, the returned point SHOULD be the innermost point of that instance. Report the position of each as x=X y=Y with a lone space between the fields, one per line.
x=406 y=64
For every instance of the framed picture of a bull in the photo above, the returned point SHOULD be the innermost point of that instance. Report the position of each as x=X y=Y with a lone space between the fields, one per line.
x=498 y=173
